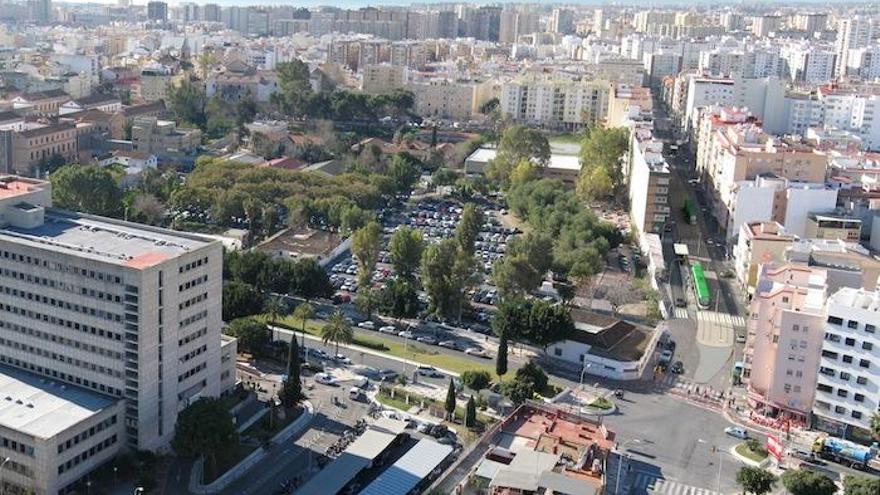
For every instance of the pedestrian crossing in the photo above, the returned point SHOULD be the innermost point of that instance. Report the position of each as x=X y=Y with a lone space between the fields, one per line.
x=721 y=319
x=645 y=483
x=681 y=313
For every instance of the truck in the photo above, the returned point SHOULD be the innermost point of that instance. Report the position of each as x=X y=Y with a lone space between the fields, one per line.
x=844 y=452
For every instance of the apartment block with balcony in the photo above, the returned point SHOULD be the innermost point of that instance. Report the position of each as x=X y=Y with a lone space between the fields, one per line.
x=758 y=243
x=833 y=225
x=848 y=388
x=555 y=103
x=784 y=341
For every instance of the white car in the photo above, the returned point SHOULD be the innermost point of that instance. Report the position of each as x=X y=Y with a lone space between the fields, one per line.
x=325 y=378
x=737 y=431
x=427 y=339
x=367 y=325
x=476 y=351
x=666 y=356
x=406 y=334
x=339 y=358
x=389 y=329
x=429 y=371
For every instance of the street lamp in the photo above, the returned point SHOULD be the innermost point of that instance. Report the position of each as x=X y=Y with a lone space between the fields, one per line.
x=3 y=483
x=584 y=372
x=620 y=461
x=720 y=461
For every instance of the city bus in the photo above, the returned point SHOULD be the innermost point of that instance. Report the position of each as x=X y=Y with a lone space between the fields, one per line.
x=701 y=287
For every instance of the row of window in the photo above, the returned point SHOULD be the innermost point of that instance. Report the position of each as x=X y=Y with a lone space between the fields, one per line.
x=60 y=357
x=846 y=358
x=77 y=380
x=62 y=267
x=82 y=456
x=193 y=336
x=193 y=300
x=61 y=322
x=54 y=284
x=58 y=303
x=193 y=353
x=194 y=318
x=836 y=320
x=848 y=341
x=843 y=375
x=16 y=446
x=199 y=367
x=193 y=265
x=18 y=468
x=838 y=409
x=82 y=436
x=192 y=283
x=61 y=340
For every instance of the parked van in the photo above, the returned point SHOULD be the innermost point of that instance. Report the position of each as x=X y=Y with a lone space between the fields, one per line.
x=354 y=393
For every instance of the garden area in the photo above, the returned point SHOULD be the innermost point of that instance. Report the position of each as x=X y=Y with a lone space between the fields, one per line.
x=752 y=449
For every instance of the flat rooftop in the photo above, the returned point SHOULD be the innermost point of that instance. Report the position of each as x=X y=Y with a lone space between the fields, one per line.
x=12 y=186
x=104 y=240
x=42 y=407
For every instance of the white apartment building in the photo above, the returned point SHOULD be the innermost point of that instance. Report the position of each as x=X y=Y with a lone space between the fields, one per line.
x=125 y=311
x=382 y=78
x=848 y=388
x=852 y=33
x=648 y=182
x=446 y=99
x=808 y=63
x=555 y=103
x=864 y=62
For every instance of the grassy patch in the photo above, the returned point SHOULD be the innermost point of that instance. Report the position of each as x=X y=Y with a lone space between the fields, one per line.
x=751 y=451
x=399 y=402
x=567 y=138
x=601 y=403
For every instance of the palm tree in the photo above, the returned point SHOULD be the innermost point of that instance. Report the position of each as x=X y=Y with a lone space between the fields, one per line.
x=304 y=312
x=337 y=330
x=273 y=310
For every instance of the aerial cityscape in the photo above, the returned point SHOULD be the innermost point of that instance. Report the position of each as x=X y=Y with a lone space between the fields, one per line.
x=394 y=248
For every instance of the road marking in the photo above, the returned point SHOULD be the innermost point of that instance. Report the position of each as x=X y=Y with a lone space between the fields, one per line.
x=646 y=483
x=681 y=313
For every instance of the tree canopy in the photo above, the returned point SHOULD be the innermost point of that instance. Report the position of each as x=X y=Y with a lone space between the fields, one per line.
x=532 y=320
x=241 y=299
x=405 y=248
x=527 y=260
x=447 y=272
x=86 y=189
x=601 y=151
x=805 y=482
x=366 y=242
x=469 y=226
x=860 y=485
x=518 y=143
x=187 y=103
x=755 y=480
x=252 y=334
x=205 y=428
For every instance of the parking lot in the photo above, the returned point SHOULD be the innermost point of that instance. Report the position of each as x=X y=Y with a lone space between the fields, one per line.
x=436 y=220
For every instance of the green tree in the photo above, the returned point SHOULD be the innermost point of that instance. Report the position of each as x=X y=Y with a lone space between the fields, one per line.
x=875 y=424
x=444 y=177
x=365 y=244
x=476 y=379
x=470 y=413
x=291 y=390
x=861 y=485
x=252 y=334
x=532 y=373
x=309 y=280
x=187 y=103
x=241 y=299
x=804 y=482
x=245 y=111
x=449 y=405
x=525 y=264
x=406 y=247
x=501 y=358
x=404 y=171
x=399 y=299
x=469 y=227
x=274 y=309
x=518 y=391
x=489 y=106
x=447 y=272
x=337 y=330
x=293 y=78
x=518 y=143
x=601 y=152
x=755 y=480
x=87 y=189
x=205 y=428
x=304 y=312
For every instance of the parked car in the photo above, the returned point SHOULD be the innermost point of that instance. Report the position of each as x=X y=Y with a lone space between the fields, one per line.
x=666 y=356
x=389 y=329
x=427 y=339
x=680 y=302
x=449 y=344
x=677 y=368
x=339 y=358
x=325 y=379
x=406 y=334
x=367 y=325
x=737 y=431
x=357 y=394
